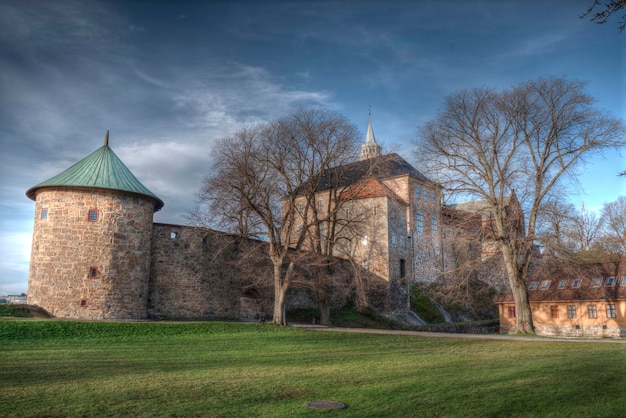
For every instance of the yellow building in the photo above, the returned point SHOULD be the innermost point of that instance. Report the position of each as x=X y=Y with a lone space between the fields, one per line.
x=592 y=304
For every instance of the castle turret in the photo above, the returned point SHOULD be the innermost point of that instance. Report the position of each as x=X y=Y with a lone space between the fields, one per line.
x=91 y=240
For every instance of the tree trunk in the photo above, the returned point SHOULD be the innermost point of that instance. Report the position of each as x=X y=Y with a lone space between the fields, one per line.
x=523 y=315
x=280 y=296
x=324 y=312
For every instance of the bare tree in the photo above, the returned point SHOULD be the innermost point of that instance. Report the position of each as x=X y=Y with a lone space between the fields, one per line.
x=555 y=223
x=600 y=12
x=614 y=217
x=585 y=229
x=258 y=174
x=488 y=144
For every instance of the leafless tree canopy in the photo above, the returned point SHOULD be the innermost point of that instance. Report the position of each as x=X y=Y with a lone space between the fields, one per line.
x=601 y=12
x=257 y=175
x=614 y=219
x=488 y=144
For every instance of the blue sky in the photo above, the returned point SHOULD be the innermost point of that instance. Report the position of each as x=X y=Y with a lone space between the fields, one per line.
x=168 y=78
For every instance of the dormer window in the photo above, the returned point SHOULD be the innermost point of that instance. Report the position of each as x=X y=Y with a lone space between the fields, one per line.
x=597 y=282
x=562 y=283
x=575 y=283
x=610 y=281
x=545 y=284
x=532 y=286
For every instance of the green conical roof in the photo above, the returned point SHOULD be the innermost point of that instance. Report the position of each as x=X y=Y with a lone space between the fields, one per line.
x=101 y=169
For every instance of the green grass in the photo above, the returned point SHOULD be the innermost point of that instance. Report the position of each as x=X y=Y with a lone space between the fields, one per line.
x=61 y=368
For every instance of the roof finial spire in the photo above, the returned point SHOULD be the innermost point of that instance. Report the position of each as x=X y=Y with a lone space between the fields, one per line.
x=370 y=149
x=106 y=138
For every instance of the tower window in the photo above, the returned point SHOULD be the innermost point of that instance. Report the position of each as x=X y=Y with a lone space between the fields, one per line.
x=83 y=302
x=94 y=215
x=419 y=222
x=44 y=213
x=93 y=272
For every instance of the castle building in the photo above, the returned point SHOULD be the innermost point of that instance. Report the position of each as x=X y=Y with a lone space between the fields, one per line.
x=97 y=254
x=387 y=218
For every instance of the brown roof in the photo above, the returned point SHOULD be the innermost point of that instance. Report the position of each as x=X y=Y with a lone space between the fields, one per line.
x=370 y=188
x=592 y=283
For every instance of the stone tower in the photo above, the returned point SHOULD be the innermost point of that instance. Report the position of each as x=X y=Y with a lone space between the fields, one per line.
x=91 y=240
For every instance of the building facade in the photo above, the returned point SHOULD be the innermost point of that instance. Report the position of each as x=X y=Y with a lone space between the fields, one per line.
x=589 y=303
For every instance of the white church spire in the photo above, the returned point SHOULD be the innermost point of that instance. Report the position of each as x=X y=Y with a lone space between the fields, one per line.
x=370 y=149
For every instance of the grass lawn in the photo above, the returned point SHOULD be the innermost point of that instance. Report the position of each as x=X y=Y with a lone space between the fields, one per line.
x=62 y=368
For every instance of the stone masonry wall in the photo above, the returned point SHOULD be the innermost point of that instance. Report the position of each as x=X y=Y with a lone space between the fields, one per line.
x=197 y=273
x=90 y=269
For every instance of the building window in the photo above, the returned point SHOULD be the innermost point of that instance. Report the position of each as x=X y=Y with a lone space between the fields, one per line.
x=432 y=196
x=623 y=282
x=512 y=312
x=554 y=311
x=301 y=208
x=576 y=283
x=610 y=281
x=562 y=283
x=425 y=195
x=366 y=265
x=320 y=205
x=83 y=302
x=394 y=240
x=596 y=282
x=420 y=222
x=93 y=272
x=545 y=284
x=173 y=235
x=610 y=311
x=532 y=286
x=321 y=231
x=375 y=211
x=348 y=213
x=418 y=192
x=592 y=311
x=94 y=214
x=571 y=311
x=44 y=213
x=433 y=225
x=402 y=267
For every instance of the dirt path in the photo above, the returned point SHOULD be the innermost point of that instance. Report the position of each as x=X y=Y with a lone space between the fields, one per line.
x=455 y=335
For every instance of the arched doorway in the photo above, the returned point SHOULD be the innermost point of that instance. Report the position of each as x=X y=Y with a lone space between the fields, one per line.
x=250 y=305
